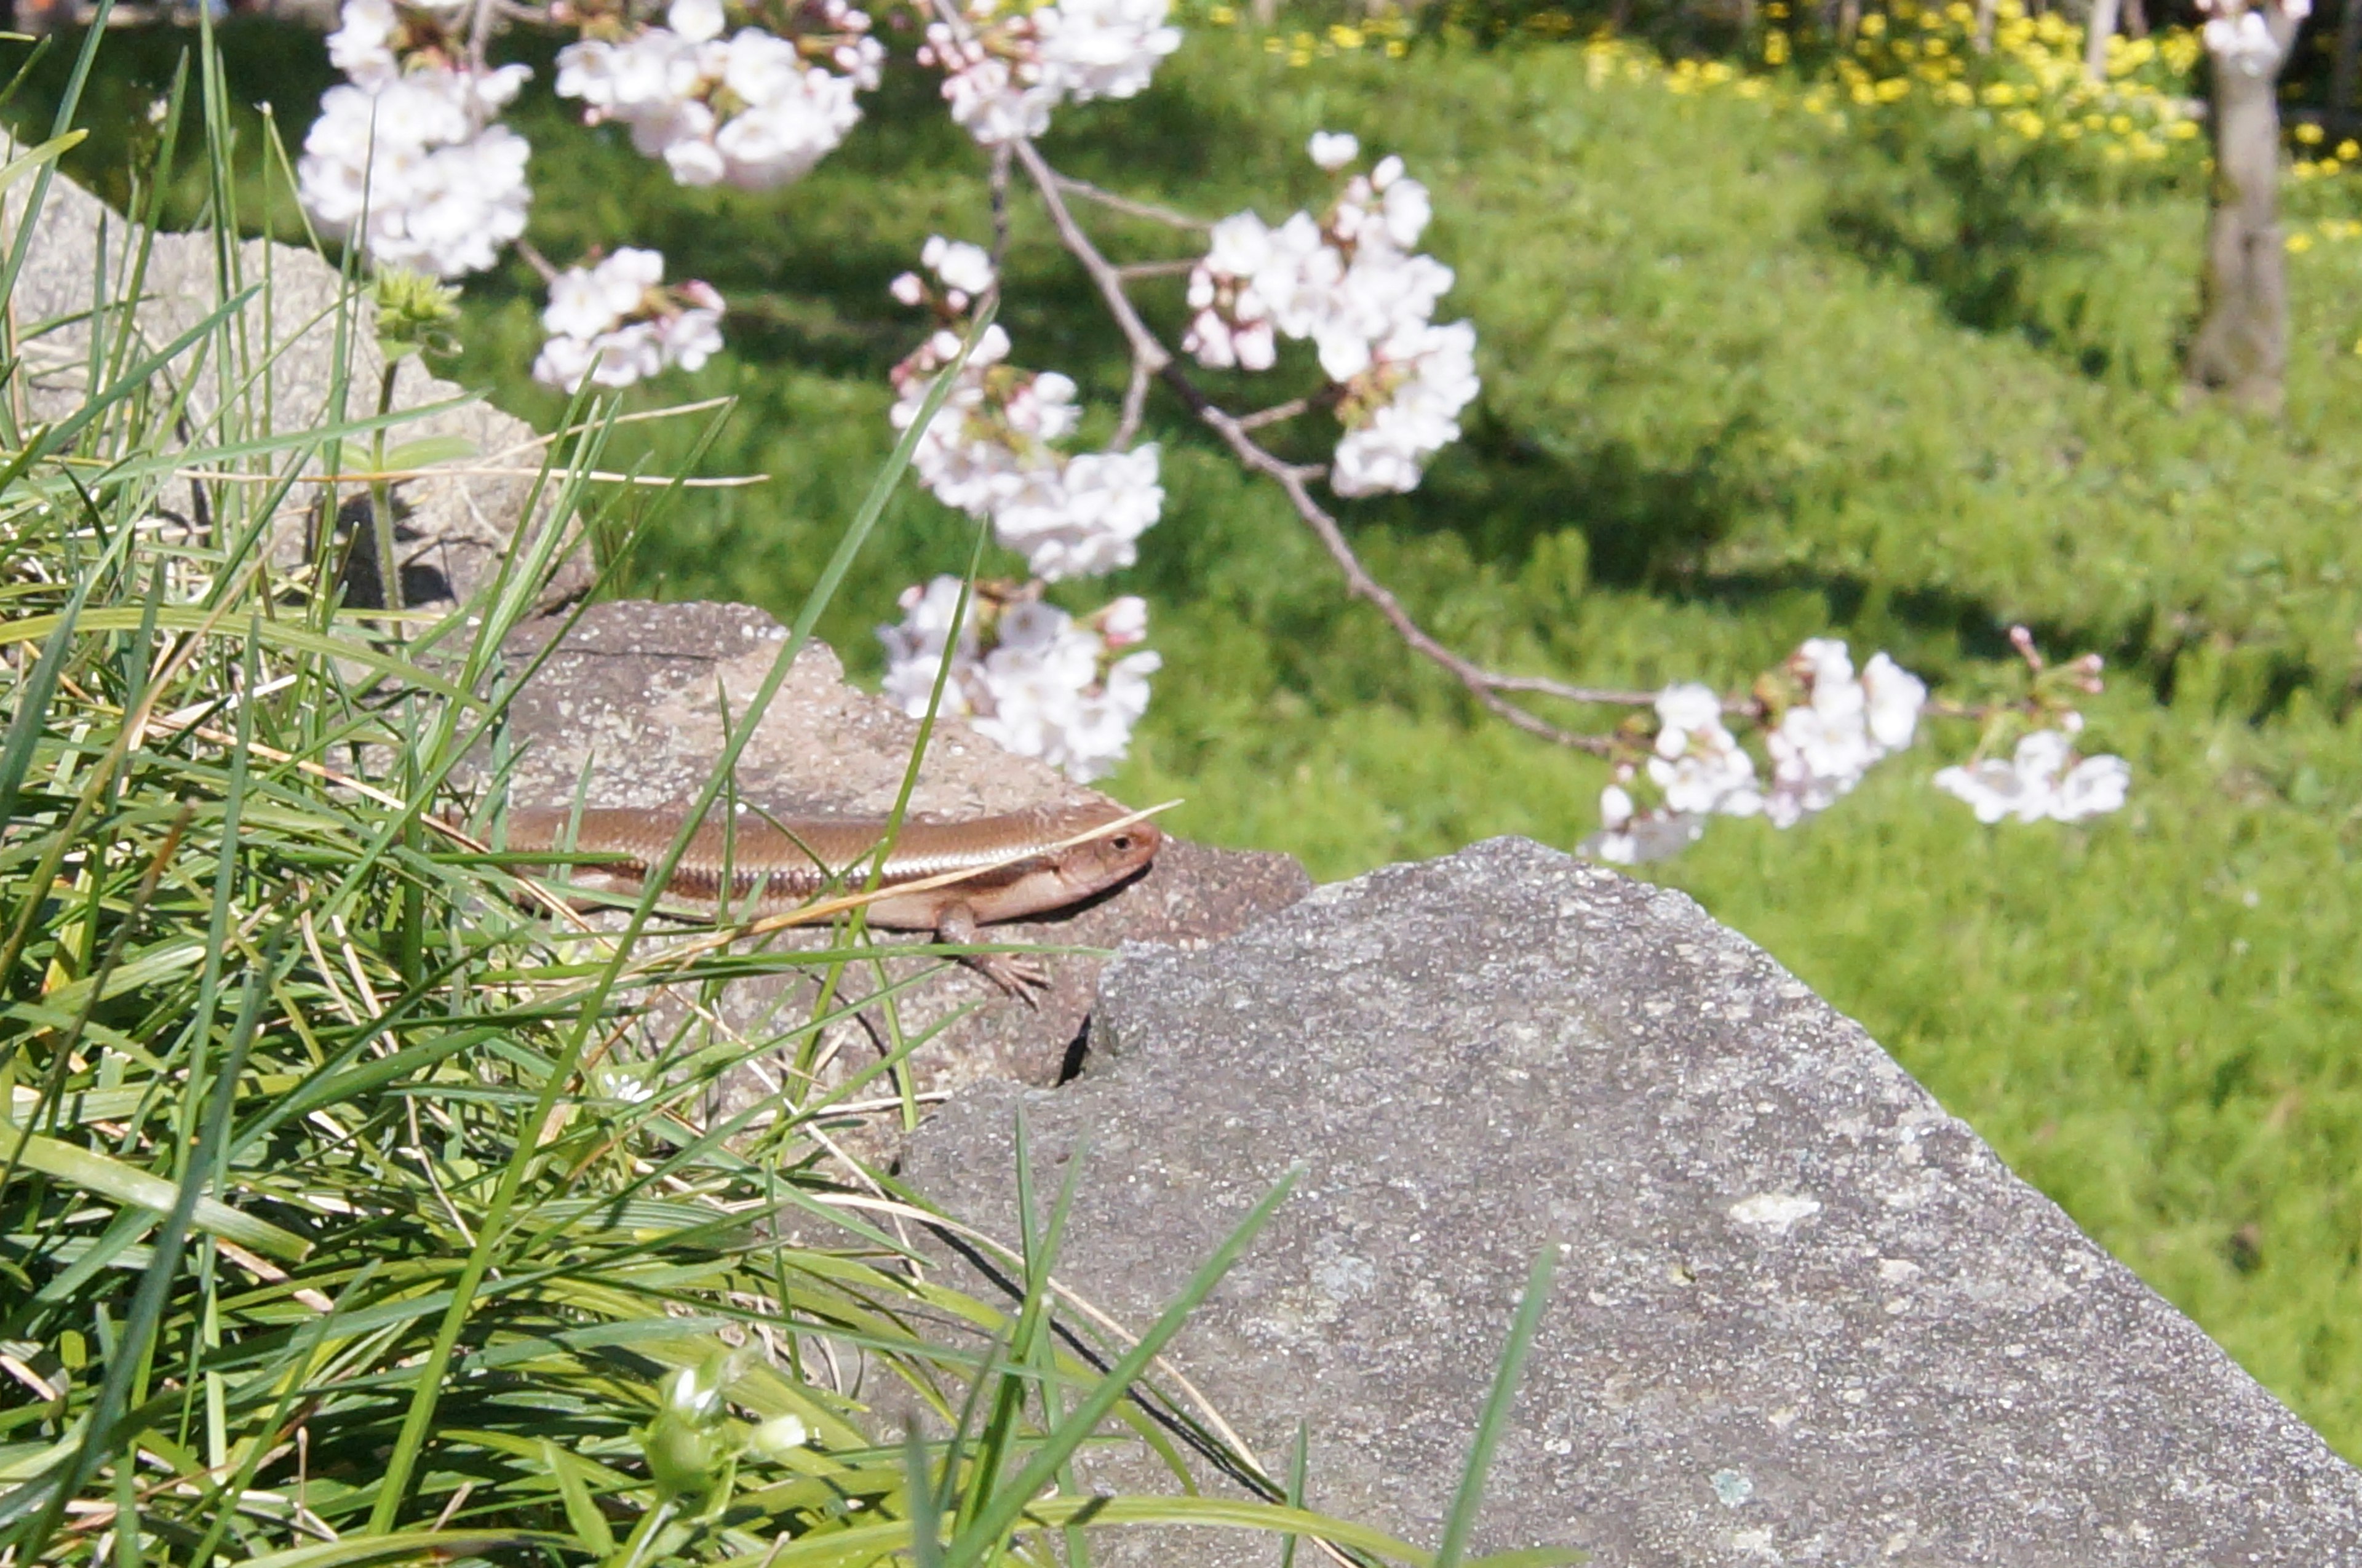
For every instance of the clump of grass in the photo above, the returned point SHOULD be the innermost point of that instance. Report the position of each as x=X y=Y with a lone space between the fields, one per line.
x=347 y=1212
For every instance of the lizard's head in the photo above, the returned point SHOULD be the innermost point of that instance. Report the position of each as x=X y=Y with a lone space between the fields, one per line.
x=1098 y=864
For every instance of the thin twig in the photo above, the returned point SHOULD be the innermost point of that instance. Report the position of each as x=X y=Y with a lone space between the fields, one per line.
x=998 y=185
x=535 y=260
x=1145 y=345
x=1109 y=199
x=1274 y=414
x=1131 y=270
x=1135 y=404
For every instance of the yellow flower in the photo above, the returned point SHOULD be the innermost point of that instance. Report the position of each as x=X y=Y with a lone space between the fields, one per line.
x=2349 y=149
x=1893 y=89
x=2308 y=133
x=1221 y=16
x=2121 y=123
x=2028 y=124
x=2182 y=130
x=2297 y=244
x=1775 y=47
x=1344 y=36
x=1396 y=48
x=1873 y=25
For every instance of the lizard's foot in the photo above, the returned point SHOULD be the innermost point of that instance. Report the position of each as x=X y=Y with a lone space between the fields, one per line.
x=1024 y=978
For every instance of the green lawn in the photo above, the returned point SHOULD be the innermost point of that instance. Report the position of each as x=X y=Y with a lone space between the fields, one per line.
x=1748 y=378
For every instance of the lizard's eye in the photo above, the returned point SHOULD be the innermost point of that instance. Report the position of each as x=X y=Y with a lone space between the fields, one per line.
x=1120 y=842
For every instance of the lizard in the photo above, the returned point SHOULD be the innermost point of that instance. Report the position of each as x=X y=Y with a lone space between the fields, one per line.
x=778 y=865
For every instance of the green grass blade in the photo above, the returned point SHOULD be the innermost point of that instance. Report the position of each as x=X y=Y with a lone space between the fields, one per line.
x=983 y=1536
x=1461 y=1519
x=108 y=1177
x=33 y=697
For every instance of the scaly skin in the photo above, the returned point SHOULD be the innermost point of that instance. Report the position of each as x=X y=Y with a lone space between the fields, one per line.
x=772 y=867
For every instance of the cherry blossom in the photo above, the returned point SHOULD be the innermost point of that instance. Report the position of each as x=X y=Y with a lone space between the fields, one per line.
x=2043 y=781
x=1698 y=764
x=615 y=323
x=1352 y=284
x=1025 y=674
x=408 y=156
x=752 y=110
x=1333 y=149
x=1006 y=68
x=990 y=449
x=1823 y=746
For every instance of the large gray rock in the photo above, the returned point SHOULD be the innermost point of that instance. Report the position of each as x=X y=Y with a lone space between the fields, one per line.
x=453 y=521
x=633 y=697
x=1804 y=1316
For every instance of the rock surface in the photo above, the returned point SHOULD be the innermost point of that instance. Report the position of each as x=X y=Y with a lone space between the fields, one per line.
x=1802 y=1315
x=634 y=694
x=453 y=522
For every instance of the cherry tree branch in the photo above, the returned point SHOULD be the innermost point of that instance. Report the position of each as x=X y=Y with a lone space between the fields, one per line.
x=1111 y=200
x=1135 y=404
x=1275 y=413
x=1000 y=186
x=1150 y=357
x=1180 y=269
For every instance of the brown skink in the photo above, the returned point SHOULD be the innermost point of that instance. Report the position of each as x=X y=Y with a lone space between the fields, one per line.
x=776 y=867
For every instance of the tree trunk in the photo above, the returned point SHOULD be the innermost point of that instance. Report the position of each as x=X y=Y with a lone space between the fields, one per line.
x=2241 y=344
x=2096 y=37
x=2135 y=19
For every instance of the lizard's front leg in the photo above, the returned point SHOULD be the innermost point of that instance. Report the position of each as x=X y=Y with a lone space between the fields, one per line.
x=1018 y=977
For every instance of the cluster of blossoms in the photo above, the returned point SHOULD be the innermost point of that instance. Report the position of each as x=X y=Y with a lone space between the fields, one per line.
x=1005 y=70
x=1824 y=728
x=1824 y=743
x=755 y=110
x=1827 y=728
x=2044 y=780
x=989 y=451
x=1353 y=286
x=408 y=155
x=615 y=323
x=1024 y=673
